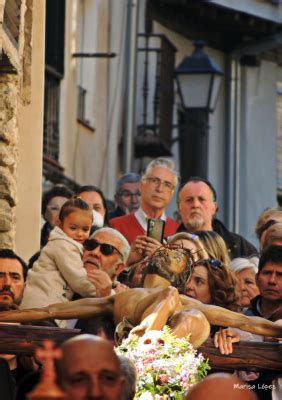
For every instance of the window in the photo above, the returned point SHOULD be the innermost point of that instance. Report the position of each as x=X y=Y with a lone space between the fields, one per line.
x=51 y=117
x=54 y=70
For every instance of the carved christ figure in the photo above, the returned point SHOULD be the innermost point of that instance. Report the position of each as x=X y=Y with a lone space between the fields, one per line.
x=153 y=306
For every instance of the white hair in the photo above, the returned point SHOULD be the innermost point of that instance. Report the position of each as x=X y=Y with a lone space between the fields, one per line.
x=240 y=263
x=161 y=162
x=125 y=250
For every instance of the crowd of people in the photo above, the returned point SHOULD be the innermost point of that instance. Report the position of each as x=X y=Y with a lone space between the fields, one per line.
x=91 y=256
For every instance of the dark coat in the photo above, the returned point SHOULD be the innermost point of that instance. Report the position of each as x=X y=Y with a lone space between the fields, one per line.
x=265 y=378
x=237 y=245
x=253 y=310
x=118 y=212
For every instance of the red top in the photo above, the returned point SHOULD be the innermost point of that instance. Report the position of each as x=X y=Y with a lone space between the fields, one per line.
x=130 y=227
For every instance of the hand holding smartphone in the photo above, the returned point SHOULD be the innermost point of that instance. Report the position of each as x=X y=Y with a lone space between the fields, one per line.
x=155 y=229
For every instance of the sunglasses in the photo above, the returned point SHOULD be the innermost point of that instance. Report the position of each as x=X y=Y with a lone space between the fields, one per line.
x=214 y=264
x=105 y=248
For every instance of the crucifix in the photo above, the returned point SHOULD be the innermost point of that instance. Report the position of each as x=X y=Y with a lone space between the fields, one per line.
x=47 y=387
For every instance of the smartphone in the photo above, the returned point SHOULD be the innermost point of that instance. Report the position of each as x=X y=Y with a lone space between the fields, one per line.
x=155 y=229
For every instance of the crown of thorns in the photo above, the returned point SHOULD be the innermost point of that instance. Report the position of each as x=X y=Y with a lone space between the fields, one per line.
x=172 y=262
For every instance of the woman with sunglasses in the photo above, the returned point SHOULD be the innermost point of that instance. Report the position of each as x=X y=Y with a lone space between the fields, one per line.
x=212 y=282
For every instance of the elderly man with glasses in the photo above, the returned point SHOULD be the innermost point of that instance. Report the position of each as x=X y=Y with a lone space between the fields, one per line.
x=127 y=196
x=104 y=258
x=157 y=187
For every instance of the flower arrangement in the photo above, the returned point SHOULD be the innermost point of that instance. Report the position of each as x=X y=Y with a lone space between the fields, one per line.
x=166 y=366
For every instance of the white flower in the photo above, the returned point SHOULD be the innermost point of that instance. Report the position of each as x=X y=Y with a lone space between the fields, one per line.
x=174 y=358
x=146 y=396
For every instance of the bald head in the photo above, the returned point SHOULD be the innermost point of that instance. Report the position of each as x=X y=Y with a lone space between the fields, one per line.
x=220 y=386
x=90 y=369
x=84 y=338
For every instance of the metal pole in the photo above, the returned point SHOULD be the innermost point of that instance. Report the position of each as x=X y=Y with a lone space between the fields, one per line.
x=230 y=155
x=193 y=145
x=133 y=7
x=237 y=146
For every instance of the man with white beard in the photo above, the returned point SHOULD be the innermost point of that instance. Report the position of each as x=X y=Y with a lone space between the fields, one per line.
x=104 y=257
x=197 y=207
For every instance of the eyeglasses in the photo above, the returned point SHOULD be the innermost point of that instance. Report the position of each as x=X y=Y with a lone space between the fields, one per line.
x=156 y=182
x=126 y=193
x=106 y=248
x=213 y=263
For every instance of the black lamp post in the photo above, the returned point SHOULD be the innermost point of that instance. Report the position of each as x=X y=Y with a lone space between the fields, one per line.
x=198 y=79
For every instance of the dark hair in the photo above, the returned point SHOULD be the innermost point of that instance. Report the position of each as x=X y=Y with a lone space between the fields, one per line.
x=72 y=205
x=225 y=290
x=272 y=254
x=8 y=253
x=57 y=190
x=92 y=188
x=8 y=307
x=97 y=324
x=224 y=287
x=206 y=181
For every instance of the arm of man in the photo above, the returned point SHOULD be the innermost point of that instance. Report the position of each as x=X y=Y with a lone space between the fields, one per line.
x=102 y=282
x=143 y=246
x=223 y=317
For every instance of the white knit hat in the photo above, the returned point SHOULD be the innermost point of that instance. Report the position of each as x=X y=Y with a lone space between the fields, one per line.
x=240 y=263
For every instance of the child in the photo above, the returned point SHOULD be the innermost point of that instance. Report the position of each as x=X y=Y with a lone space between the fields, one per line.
x=58 y=273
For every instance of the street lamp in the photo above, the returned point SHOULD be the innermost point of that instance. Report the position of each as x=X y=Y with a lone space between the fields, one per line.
x=198 y=79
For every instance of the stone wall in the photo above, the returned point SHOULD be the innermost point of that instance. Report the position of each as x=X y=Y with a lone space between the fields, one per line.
x=8 y=157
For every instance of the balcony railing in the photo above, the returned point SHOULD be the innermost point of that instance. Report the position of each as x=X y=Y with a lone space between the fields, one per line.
x=51 y=117
x=155 y=95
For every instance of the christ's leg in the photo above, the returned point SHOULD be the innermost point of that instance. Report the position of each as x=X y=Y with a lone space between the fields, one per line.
x=154 y=316
x=192 y=323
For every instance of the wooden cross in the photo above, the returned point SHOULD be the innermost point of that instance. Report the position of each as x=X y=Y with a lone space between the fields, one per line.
x=47 y=387
x=249 y=356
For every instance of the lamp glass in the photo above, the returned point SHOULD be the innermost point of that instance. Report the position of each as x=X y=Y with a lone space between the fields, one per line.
x=194 y=89
x=215 y=91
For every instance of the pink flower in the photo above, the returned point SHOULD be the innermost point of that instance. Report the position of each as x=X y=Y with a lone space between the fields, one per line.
x=162 y=378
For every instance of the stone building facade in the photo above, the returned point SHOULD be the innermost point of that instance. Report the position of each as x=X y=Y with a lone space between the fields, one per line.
x=18 y=46
x=8 y=157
